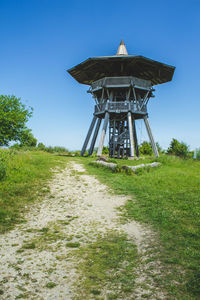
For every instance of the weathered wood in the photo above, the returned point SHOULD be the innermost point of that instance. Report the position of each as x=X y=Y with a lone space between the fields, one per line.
x=135 y=137
x=121 y=86
x=153 y=144
x=133 y=168
x=88 y=135
x=94 y=137
x=103 y=134
x=106 y=164
x=152 y=165
x=130 y=128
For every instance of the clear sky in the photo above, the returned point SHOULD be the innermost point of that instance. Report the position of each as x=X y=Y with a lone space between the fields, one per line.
x=41 y=39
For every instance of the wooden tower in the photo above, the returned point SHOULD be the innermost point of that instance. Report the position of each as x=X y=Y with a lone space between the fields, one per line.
x=121 y=86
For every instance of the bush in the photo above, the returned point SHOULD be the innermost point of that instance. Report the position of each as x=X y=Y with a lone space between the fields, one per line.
x=105 y=150
x=41 y=147
x=27 y=139
x=197 y=154
x=13 y=118
x=145 y=148
x=178 y=148
x=60 y=149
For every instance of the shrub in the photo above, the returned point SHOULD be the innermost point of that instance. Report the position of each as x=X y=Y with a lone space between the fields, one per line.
x=60 y=149
x=197 y=154
x=27 y=139
x=178 y=148
x=41 y=147
x=77 y=153
x=145 y=148
x=105 y=150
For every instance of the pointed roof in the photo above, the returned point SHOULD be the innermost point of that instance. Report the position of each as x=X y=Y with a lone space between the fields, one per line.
x=122 y=49
x=122 y=64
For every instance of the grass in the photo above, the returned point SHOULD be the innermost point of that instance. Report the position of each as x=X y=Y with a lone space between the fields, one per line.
x=50 y=285
x=105 y=265
x=48 y=237
x=27 y=175
x=168 y=198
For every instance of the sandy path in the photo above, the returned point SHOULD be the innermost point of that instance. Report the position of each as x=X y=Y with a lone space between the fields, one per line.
x=35 y=262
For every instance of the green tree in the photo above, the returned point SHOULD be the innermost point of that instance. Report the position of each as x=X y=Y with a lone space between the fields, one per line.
x=41 y=147
x=105 y=150
x=27 y=139
x=160 y=150
x=178 y=148
x=145 y=148
x=13 y=118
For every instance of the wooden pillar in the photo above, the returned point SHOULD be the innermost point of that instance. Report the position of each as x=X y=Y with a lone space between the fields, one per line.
x=103 y=134
x=94 y=137
x=153 y=144
x=130 y=129
x=88 y=135
x=135 y=137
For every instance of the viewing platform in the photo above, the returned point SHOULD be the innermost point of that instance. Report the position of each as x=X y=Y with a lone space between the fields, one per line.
x=120 y=107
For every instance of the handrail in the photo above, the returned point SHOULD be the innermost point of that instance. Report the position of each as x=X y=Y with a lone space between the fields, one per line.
x=133 y=106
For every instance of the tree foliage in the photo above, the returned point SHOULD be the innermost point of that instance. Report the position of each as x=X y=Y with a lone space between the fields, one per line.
x=105 y=150
x=178 y=148
x=27 y=139
x=145 y=148
x=13 y=118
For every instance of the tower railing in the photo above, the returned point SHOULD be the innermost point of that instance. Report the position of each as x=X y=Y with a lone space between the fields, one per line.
x=120 y=107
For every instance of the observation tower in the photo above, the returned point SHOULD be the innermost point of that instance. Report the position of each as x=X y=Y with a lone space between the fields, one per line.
x=121 y=86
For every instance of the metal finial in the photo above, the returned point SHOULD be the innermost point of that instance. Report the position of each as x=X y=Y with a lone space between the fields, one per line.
x=122 y=49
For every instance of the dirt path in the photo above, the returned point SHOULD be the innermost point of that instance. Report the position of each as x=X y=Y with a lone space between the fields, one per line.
x=35 y=262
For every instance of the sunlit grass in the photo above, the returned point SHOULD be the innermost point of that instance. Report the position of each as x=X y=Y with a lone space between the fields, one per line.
x=27 y=174
x=168 y=198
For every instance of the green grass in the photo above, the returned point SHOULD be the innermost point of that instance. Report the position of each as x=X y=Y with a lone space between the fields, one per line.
x=27 y=174
x=50 y=285
x=168 y=198
x=107 y=264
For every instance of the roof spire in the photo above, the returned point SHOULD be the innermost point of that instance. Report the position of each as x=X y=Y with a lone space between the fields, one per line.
x=122 y=49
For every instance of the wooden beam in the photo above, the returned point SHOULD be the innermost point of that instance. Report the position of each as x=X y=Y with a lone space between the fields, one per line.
x=135 y=137
x=153 y=144
x=88 y=135
x=130 y=129
x=103 y=134
x=94 y=137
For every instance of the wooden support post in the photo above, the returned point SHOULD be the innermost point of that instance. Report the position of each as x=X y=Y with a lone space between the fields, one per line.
x=94 y=137
x=135 y=137
x=130 y=129
x=153 y=144
x=103 y=134
x=88 y=135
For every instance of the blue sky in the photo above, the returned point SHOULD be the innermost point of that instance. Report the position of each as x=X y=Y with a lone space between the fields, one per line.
x=41 y=39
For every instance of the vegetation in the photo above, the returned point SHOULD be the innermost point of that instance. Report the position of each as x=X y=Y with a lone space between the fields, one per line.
x=30 y=145
x=145 y=148
x=28 y=140
x=24 y=177
x=178 y=149
x=107 y=264
x=13 y=118
x=168 y=198
x=197 y=154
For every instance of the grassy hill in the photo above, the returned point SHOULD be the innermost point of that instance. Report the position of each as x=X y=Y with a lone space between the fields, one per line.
x=167 y=198
x=24 y=178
